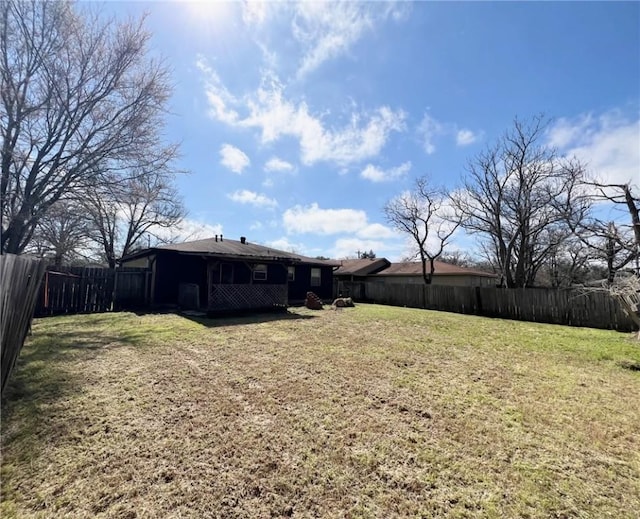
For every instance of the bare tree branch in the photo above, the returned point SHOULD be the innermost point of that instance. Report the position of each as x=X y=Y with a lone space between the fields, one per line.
x=123 y=215
x=614 y=243
x=421 y=213
x=79 y=98
x=517 y=196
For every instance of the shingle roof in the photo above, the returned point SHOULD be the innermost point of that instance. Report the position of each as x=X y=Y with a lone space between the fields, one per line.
x=235 y=249
x=361 y=267
x=414 y=268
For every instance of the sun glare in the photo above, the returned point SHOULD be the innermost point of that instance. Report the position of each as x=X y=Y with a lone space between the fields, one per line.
x=210 y=15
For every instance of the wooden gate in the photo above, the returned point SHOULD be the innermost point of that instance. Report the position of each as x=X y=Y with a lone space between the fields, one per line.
x=92 y=290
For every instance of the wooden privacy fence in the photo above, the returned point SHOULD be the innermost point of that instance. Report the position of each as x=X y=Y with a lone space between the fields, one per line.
x=20 y=278
x=93 y=289
x=570 y=307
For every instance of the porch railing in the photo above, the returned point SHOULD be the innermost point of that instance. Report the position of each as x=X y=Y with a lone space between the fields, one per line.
x=246 y=297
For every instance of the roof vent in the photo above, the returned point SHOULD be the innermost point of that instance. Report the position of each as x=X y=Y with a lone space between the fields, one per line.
x=243 y=240
x=221 y=237
x=216 y=237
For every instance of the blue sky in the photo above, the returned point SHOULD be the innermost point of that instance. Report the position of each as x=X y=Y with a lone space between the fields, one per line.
x=298 y=122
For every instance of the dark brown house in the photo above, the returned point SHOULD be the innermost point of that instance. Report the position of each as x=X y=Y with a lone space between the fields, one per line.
x=410 y=272
x=349 y=277
x=218 y=275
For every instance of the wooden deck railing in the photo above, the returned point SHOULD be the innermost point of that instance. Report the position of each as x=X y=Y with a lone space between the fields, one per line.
x=246 y=297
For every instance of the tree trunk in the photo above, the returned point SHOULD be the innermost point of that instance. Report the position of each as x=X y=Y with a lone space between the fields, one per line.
x=425 y=276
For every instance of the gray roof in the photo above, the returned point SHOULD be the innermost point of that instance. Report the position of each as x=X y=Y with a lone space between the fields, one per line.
x=233 y=249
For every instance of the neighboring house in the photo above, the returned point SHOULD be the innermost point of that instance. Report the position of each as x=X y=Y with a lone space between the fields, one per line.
x=218 y=274
x=443 y=274
x=350 y=276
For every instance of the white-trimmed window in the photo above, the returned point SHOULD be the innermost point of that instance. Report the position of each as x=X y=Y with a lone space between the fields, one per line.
x=260 y=272
x=316 y=277
x=291 y=273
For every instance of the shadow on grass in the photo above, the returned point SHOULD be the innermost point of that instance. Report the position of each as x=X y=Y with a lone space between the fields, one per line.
x=41 y=378
x=240 y=318
x=630 y=365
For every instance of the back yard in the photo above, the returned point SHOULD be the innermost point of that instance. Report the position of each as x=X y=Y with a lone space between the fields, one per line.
x=367 y=412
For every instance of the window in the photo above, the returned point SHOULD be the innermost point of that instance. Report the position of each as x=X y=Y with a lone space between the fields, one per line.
x=291 y=273
x=260 y=272
x=226 y=273
x=315 y=277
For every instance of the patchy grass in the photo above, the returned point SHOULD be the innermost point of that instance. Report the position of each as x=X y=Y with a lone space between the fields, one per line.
x=367 y=412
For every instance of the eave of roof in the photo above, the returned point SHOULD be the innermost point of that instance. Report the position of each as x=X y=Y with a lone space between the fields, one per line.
x=441 y=269
x=361 y=267
x=231 y=250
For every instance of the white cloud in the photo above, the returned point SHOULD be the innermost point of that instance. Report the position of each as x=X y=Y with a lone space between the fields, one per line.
x=286 y=245
x=465 y=137
x=313 y=219
x=375 y=174
x=564 y=132
x=398 y=11
x=349 y=247
x=218 y=96
x=256 y=226
x=363 y=137
x=233 y=158
x=276 y=117
x=249 y=197
x=187 y=230
x=277 y=164
x=363 y=235
x=609 y=144
x=429 y=129
x=328 y=30
x=375 y=231
x=322 y=30
x=254 y=12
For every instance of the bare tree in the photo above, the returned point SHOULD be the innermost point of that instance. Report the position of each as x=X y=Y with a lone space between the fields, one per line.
x=422 y=214
x=457 y=258
x=63 y=234
x=79 y=98
x=517 y=197
x=617 y=244
x=122 y=215
x=569 y=263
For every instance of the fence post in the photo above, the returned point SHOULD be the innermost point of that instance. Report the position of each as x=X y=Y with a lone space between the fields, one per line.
x=20 y=279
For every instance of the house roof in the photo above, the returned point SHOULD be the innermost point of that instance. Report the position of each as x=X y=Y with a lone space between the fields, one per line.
x=361 y=267
x=414 y=268
x=232 y=249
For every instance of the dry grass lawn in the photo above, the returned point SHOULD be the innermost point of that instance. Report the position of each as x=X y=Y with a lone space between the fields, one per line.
x=366 y=412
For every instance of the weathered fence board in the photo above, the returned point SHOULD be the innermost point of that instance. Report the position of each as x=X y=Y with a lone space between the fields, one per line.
x=93 y=289
x=20 y=278
x=570 y=307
